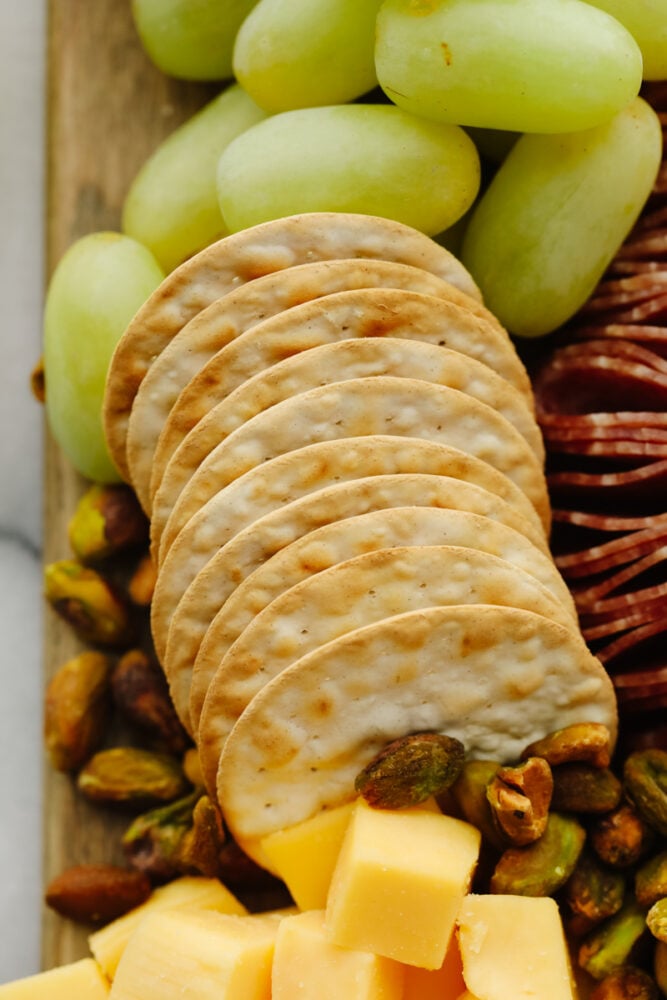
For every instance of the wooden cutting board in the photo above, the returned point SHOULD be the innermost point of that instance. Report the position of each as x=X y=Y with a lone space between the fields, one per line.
x=108 y=108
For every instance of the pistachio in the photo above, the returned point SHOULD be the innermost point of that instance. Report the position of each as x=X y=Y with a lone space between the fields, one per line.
x=621 y=837
x=626 y=983
x=656 y=919
x=660 y=966
x=651 y=880
x=152 y=840
x=581 y=788
x=582 y=742
x=593 y=892
x=543 y=867
x=107 y=520
x=88 y=603
x=96 y=893
x=410 y=770
x=199 y=850
x=610 y=945
x=142 y=582
x=469 y=794
x=132 y=775
x=76 y=710
x=519 y=798
x=141 y=694
x=645 y=780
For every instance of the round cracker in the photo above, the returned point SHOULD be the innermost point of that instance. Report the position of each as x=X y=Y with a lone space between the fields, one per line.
x=382 y=404
x=374 y=312
x=239 y=258
x=349 y=595
x=286 y=478
x=230 y=315
x=495 y=678
x=323 y=365
x=340 y=541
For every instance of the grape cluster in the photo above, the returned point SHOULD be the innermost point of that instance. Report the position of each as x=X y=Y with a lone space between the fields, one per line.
x=390 y=108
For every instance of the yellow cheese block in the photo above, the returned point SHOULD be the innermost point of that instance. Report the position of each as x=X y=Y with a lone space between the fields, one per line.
x=399 y=882
x=304 y=856
x=108 y=944
x=513 y=948
x=80 y=980
x=197 y=953
x=308 y=967
x=445 y=983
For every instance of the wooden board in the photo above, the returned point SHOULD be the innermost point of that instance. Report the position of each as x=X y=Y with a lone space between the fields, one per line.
x=108 y=108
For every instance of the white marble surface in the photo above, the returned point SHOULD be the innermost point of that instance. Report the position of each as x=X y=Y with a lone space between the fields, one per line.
x=22 y=50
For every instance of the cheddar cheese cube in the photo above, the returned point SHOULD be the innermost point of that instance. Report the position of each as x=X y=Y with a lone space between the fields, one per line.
x=82 y=979
x=306 y=966
x=399 y=882
x=108 y=944
x=304 y=856
x=200 y=953
x=513 y=948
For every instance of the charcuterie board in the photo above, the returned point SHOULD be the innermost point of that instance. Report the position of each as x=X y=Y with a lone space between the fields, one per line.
x=108 y=108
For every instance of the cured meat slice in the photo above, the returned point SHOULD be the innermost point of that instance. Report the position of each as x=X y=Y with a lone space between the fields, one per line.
x=581 y=422
x=620 y=550
x=575 y=439
x=603 y=348
x=585 y=384
x=648 y=477
x=646 y=333
x=606 y=522
x=632 y=638
x=627 y=449
x=618 y=292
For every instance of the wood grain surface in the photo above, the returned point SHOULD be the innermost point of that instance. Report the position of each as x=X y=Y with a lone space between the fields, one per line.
x=108 y=108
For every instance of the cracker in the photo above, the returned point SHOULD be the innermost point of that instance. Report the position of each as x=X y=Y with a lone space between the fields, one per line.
x=349 y=595
x=240 y=258
x=495 y=678
x=241 y=397
x=343 y=540
x=399 y=406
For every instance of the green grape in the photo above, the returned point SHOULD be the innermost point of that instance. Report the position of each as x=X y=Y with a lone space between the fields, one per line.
x=520 y=65
x=373 y=159
x=555 y=214
x=191 y=39
x=172 y=205
x=301 y=53
x=646 y=20
x=95 y=291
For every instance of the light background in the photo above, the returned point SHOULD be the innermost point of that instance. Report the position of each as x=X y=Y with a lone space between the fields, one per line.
x=22 y=72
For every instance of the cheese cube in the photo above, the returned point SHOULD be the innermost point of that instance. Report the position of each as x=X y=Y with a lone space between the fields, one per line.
x=108 y=944
x=304 y=856
x=445 y=983
x=513 y=948
x=399 y=882
x=81 y=979
x=306 y=966
x=199 y=953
